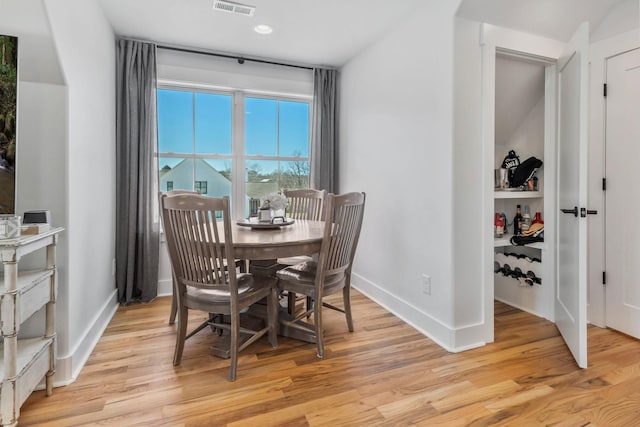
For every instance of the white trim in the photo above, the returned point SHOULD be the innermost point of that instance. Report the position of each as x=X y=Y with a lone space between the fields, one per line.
x=451 y=339
x=68 y=366
x=495 y=40
x=178 y=84
x=165 y=287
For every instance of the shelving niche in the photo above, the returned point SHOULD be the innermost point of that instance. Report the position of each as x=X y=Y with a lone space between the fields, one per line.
x=525 y=133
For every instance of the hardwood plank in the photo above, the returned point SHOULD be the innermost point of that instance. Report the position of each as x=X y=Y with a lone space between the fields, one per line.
x=385 y=373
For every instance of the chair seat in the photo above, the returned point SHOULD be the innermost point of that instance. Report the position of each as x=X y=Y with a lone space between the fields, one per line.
x=305 y=274
x=246 y=285
x=294 y=260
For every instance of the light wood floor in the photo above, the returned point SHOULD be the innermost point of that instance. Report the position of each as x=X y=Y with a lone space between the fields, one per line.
x=383 y=374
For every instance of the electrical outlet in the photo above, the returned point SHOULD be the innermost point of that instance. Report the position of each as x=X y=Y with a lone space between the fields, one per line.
x=426 y=284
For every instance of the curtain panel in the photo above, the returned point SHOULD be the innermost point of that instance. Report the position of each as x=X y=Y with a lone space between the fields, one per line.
x=324 y=142
x=137 y=231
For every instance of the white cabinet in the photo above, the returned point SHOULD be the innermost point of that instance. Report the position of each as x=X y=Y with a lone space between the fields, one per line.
x=24 y=362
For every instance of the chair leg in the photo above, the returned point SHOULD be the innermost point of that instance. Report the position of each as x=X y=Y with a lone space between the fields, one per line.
x=346 y=298
x=235 y=335
x=183 y=319
x=309 y=304
x=291 y=302
x=272 y=317
x=317 y=320
x=174 y=308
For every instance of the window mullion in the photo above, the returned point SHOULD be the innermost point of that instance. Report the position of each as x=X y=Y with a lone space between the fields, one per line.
x=238 y=149
x=193 y=136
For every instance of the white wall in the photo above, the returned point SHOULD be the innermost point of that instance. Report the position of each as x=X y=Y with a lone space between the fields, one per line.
x=28 y=21
x=621 y=19
x=41 y=178
x=85 y=45
x=396 y=103
x=468 y=198
x=201 y=69
x=473 y=170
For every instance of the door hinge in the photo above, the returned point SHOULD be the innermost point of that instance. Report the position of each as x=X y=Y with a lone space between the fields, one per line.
x=604 y=277
x=604 y=90
x=604 y=184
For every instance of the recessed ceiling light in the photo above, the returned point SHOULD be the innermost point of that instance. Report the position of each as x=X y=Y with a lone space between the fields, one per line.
x=263 y=29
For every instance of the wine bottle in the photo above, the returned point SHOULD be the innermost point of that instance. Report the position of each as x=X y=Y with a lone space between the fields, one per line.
x=499 y=225
x=526 y=219
x=537 y=219
x=517 y=222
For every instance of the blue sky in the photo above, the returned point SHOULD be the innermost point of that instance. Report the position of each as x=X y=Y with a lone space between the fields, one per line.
x=267 y=123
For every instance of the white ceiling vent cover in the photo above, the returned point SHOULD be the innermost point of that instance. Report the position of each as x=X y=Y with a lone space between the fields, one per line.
x=231 y=7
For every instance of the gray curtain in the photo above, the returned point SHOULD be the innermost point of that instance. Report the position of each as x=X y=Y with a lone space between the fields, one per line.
x=324 y=125
x=137 y=236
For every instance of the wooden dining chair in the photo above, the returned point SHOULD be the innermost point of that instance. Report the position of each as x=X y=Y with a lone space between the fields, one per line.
x=304 y=204
x=198 y=257
x=332 y=272
x=174 y=305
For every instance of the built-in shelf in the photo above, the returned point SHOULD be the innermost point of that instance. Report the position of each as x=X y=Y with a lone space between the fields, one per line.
x=504 y=194
x=505 y=240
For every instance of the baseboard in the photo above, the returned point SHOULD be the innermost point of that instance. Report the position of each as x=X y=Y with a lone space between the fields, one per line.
x=68 y=367
x=451 y=339
x=520 y=307
x=165 y=287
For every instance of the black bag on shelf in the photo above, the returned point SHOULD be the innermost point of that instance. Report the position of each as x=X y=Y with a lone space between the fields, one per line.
x=510 y=163
x=524 y=172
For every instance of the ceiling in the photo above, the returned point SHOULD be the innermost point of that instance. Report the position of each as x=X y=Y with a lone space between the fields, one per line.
x=556 y=19
x=327 y=32
x=519 y=87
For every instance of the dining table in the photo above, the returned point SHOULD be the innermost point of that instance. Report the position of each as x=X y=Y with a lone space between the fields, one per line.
x=261 y=244
x=256 y=241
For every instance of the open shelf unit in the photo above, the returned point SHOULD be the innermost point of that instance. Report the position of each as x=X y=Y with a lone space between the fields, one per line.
x=24 y=362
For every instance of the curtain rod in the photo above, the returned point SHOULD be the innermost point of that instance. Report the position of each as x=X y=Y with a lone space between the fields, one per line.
x=240 y=59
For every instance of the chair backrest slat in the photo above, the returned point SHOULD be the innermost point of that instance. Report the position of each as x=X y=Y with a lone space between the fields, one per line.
x=305 y=204
x=197 y=253
x=343 y=214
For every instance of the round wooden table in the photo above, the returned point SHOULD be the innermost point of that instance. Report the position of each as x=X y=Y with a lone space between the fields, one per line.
x=262 y=247
x=300 y=238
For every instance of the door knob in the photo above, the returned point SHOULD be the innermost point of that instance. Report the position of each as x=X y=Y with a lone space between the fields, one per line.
x=573 y=211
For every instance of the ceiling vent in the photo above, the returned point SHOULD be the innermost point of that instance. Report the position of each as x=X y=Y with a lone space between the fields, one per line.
x=231 y=7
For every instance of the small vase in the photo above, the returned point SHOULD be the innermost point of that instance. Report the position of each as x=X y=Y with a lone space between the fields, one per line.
x=277 y=213
x=264 y=214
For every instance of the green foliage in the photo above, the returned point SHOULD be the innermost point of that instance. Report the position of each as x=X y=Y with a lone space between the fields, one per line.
x=8 y=93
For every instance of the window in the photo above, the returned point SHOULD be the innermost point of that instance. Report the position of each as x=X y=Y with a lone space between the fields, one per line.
x=229 y=143
x=201 y=187
x=276 y=145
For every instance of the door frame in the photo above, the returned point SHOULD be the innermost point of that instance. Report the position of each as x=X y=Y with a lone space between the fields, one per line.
x=493 y=40
x=599 y=53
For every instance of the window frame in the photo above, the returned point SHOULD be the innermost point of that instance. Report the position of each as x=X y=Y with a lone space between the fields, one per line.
x=238 y=156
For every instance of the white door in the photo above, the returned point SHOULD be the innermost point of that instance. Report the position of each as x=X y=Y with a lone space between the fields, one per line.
x=622 y=198
x=571 y=283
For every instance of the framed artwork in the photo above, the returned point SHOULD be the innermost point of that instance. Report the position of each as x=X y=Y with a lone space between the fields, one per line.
x=8 y=109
